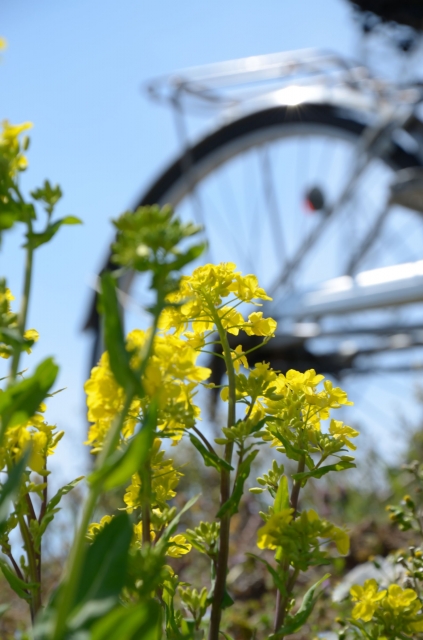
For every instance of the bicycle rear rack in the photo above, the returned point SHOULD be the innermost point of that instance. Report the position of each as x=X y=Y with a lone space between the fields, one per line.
x=228 y=84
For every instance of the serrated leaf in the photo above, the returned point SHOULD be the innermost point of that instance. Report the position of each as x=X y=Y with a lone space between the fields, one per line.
x=38 y=239
x=294 y=623
x=321 y=471
x=19 y=586
x=19 y=402
x=232 y=504
x=52 y=509
x=210 y=459
x=122 y=464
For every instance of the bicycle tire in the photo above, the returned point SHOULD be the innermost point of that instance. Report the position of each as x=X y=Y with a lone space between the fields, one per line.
x=237 y=136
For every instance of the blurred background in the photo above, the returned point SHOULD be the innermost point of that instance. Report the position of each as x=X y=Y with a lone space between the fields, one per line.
x=78 y=71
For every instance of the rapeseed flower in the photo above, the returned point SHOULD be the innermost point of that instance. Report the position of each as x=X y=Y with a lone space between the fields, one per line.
x=367 y=598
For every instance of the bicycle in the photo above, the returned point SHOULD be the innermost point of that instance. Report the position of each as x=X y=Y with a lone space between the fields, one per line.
x=342 y=301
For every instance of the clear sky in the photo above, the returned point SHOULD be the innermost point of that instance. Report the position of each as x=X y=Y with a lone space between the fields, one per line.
x=75 y=69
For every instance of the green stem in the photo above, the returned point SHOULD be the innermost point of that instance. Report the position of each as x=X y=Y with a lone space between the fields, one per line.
x=74 y=566
x=37 y=554
x=35 y=604
x=225 y=485
x=282 y=601
x=146 y=499
x=23 y=312
x=45 y=495
x=16 y=567
x=77 y=553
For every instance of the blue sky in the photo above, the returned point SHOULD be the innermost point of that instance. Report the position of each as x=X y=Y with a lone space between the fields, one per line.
x=75 y=69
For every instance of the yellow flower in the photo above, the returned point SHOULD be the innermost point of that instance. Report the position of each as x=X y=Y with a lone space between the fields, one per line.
x=246 y=288
x=3 y=43
x=138 y=533
x=195 y=340
x=336 y=396
x=231 y=319
x=35 y=432
x=270 y=533
x=399 y=598
x=164 y=480
x=95 y=527
x=238 y=358
x=259 y=326
x=180 y=546
x=306 y=381
x=342 y=432
x=367 y=598
x=10 y=147
x=341 y=539
x=201 y=293
x=31 y=334
x=325 y=529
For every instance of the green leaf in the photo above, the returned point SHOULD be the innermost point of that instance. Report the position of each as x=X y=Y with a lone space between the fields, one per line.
x=19 y=402
x=19 y=586
x=104 y=571
x=7 y=220
x=10 y=488
x=277 y=580
x=232 y=504
x=171 y=527
x=321 y=471
x=52 y=509
x=129 y=623
x=37 y=239
x=121 y=465
x=114 y=338
x=103 y=575
x=259 y=425
x=282 y=496
x=210 y=459
x=294 y=623
x=227 y=600
x=295 y=453
x=71 y=220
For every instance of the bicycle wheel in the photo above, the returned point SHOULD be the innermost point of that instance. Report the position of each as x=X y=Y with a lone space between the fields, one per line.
x=248 y=183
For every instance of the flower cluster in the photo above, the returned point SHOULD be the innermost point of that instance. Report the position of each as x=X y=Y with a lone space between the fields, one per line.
x=199 y=302
x=300 y=540
x=164 y=480
x=9 y=334
x=35 y=433
x=172 y=377
x=394 y=610
x=11 y=147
